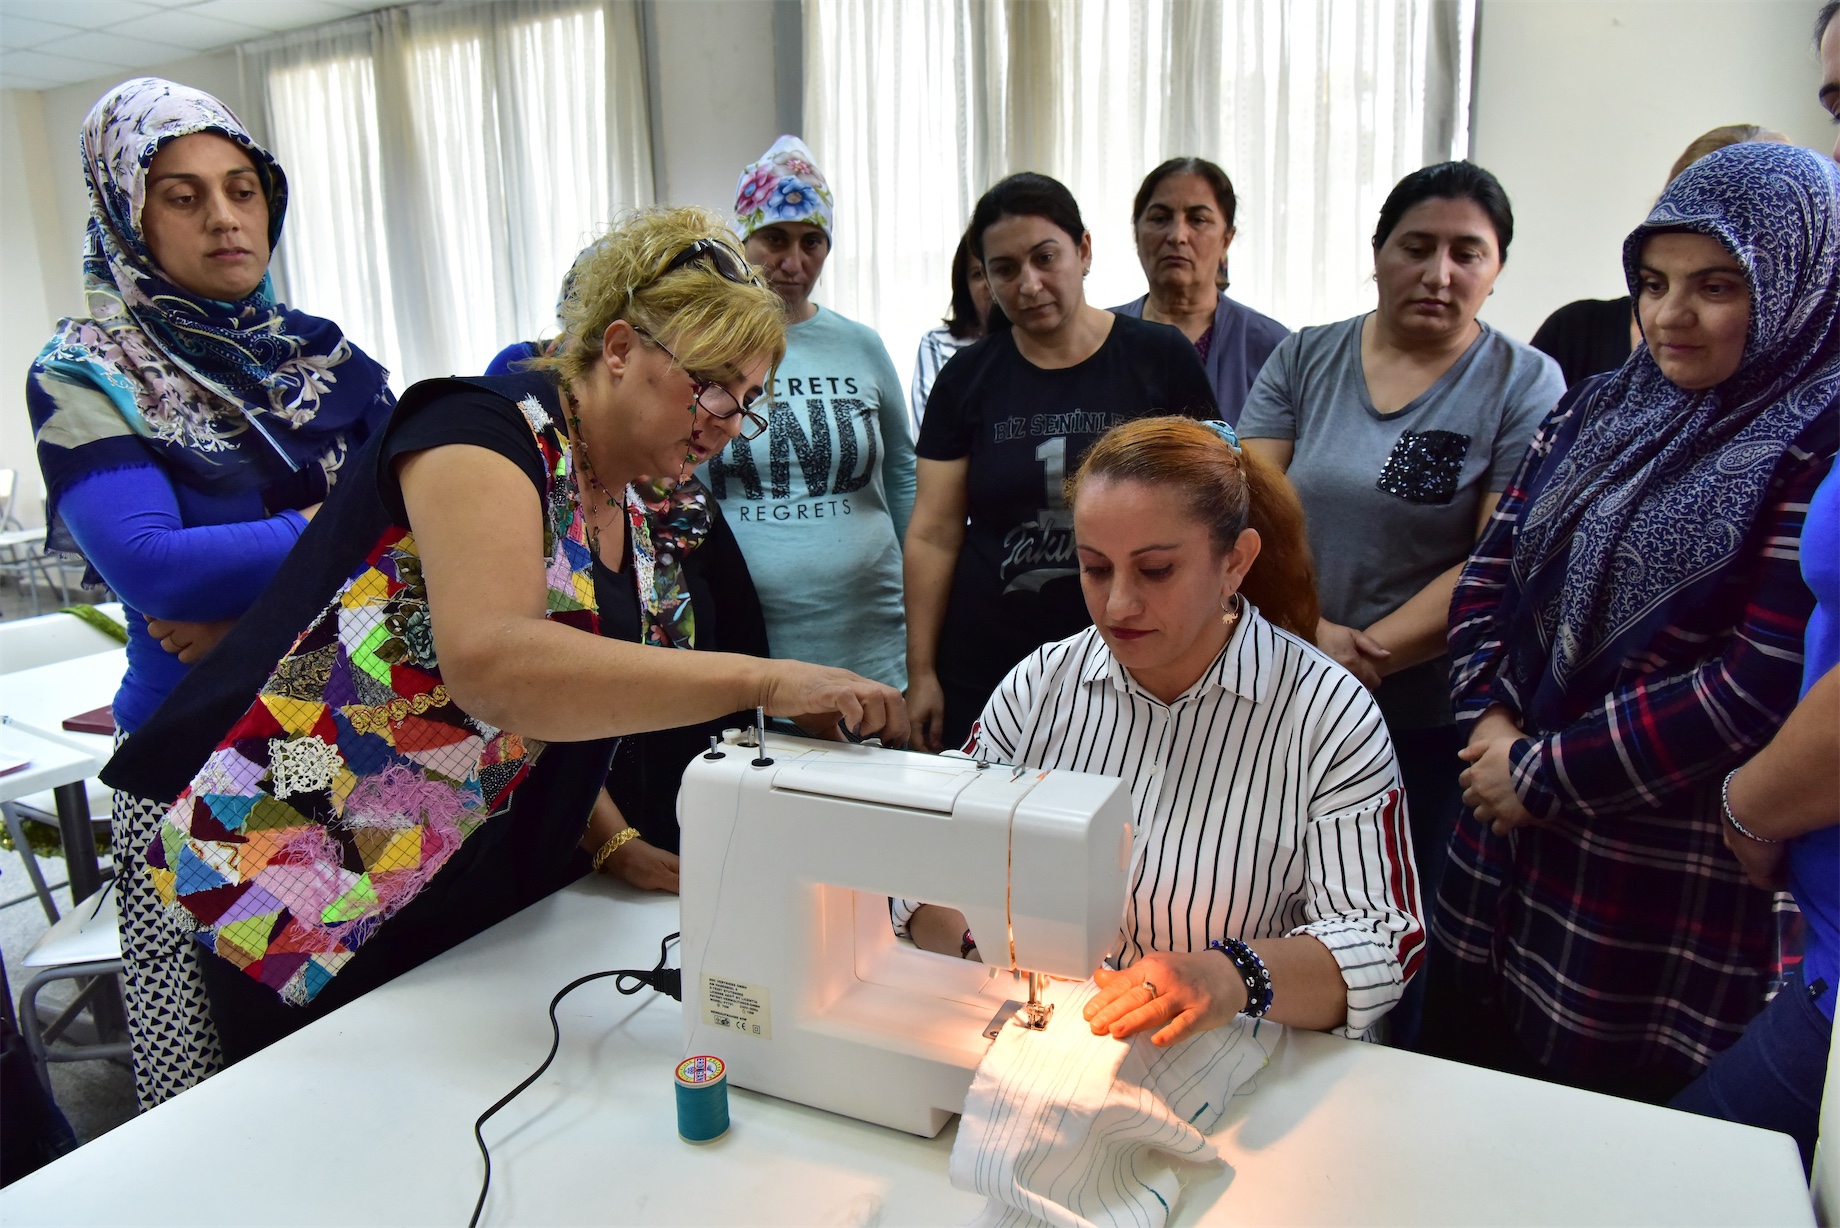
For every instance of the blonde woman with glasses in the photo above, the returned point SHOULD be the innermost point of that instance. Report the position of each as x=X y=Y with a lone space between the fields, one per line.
x=360 y=770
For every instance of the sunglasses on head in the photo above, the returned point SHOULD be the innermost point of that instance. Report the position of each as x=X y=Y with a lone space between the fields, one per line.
x=722 y=258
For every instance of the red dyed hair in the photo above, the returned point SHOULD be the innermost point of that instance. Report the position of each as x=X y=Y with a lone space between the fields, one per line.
x=1228 y=491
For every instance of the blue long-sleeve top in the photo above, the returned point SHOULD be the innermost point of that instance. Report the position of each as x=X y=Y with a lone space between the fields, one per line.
x=171 y=552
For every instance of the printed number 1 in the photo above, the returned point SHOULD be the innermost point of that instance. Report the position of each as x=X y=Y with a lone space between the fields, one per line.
x=1052 y=454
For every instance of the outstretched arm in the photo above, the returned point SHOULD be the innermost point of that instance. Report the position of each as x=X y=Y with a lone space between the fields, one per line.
x=478 y=525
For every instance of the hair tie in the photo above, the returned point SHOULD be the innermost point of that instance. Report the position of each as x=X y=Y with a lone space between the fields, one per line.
x=1225 y=431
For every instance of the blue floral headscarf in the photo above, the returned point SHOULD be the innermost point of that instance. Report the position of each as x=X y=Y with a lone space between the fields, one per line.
x=784 y=186
x=1642 y=515
x=226 y=396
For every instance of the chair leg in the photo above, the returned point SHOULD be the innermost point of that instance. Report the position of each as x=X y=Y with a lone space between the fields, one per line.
x=17 y=831
x=97 y=976
x=54 y=575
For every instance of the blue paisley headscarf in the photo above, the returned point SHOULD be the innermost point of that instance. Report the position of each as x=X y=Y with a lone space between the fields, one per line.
x=1642 y=515
x=228 y=397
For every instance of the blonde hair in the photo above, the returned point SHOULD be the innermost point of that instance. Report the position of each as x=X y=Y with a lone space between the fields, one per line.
x=710 y=323
x=1719 y=138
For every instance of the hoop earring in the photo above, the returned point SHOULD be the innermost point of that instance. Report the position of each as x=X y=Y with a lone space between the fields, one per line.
x=1229 y=617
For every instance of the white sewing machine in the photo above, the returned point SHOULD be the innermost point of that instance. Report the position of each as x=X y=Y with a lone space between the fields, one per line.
x=792 y=973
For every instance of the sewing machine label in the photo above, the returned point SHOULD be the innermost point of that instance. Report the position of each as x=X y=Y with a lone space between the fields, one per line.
x=743 y=1008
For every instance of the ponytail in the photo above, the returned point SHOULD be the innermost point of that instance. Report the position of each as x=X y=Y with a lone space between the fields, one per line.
x=1282 y=582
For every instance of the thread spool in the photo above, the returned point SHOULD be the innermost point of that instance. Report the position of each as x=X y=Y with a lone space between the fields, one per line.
x=702 y=1099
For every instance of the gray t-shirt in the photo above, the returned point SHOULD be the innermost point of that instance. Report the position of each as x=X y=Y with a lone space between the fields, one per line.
x=1391 y=499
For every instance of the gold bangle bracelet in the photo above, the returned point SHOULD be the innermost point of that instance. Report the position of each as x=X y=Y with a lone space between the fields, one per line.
x=613 y=845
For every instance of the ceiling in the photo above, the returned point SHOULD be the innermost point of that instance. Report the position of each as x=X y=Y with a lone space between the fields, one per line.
x=43 y=45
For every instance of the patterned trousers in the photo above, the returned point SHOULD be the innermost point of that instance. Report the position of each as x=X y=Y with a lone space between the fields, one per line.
x=169 y=1019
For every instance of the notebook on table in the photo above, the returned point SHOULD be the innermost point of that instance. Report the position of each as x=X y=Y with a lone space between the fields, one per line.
x=96 y=720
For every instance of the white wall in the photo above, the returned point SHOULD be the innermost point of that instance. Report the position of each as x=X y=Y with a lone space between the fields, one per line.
x=1583 y=105
x=714 y=93
x=28 y=207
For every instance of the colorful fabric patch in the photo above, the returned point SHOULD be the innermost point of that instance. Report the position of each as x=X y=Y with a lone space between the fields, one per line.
x=353 y=777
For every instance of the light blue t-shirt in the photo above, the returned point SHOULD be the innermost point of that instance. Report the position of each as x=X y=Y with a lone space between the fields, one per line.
x=820 y=501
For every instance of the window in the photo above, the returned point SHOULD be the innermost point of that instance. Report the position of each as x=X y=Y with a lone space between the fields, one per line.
x=446 y=163
x=1315 y=110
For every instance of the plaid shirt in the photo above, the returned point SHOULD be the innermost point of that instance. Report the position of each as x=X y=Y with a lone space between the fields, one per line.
x=1625 y=946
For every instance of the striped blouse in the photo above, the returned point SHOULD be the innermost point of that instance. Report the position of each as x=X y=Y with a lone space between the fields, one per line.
x=1266 y=797
x=936 y=349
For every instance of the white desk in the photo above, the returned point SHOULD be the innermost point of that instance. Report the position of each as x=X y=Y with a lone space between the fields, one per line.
x=54 y=761
x=48 y=695
x=44 y=697
x=366 y=1118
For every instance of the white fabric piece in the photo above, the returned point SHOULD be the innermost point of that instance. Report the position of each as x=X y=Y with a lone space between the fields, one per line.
x=1066 y=1128
x=1315 y=111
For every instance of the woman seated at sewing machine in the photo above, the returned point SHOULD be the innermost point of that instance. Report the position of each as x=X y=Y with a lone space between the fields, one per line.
x=1273 y=869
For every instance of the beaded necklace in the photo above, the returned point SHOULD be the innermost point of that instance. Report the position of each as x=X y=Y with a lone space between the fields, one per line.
x=578 y=440
x=638 y=523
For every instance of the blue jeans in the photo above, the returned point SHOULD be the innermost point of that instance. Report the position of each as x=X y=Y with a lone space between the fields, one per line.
x=1772 y=1076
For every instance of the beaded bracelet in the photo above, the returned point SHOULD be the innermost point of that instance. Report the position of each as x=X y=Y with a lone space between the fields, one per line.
x=1252 y=970
x=1725 y=805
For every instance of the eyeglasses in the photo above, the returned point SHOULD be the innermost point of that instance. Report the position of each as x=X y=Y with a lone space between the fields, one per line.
x=713 y=399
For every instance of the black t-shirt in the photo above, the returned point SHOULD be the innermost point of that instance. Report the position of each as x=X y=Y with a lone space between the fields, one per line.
x=1587 y=337
x=649 y=767
x=1024 y=430
x=518 y=856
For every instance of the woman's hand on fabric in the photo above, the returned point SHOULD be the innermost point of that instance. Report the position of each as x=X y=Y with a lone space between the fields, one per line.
x=1179 y=993
x=1488 y=783
x=867 y=709
x=643 y=865
x=1356 y=651
x=926 y=711
x=188 y=641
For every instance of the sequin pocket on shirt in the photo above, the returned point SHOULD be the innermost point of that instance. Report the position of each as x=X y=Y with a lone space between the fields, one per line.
x=1425 y=466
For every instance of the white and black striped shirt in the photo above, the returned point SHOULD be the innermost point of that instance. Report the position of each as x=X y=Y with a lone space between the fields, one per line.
x=1267 y=798
x=936 y=348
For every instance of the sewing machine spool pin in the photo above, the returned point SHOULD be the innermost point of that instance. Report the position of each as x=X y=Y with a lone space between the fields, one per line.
x=760 y=739
x=714 y=742
x=1034 y=1014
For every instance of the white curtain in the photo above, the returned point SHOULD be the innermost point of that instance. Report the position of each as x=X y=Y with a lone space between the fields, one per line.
x=894 y=119
x=1315 y=108
x=447 y=161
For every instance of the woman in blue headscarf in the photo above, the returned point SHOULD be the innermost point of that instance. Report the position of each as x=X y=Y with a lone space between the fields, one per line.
x=1628 y=631
x=188 y=429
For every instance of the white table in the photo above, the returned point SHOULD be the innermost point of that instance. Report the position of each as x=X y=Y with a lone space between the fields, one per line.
x=43 y=698
x=366 y=1117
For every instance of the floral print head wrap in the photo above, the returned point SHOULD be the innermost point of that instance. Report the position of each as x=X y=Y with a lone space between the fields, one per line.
x=784 y=186
x=226 y=396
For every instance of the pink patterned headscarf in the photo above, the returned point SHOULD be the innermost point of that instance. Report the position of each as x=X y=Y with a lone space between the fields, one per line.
x=784 y=186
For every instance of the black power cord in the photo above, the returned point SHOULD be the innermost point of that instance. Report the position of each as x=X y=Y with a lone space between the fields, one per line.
x=662 y=979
